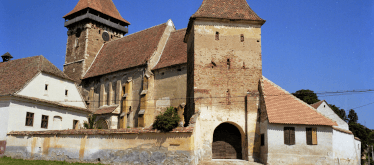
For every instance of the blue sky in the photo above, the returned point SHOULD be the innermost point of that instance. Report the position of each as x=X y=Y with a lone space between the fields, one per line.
x=323 y=45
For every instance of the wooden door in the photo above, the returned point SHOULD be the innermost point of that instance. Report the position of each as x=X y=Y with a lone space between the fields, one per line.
x=227 y=142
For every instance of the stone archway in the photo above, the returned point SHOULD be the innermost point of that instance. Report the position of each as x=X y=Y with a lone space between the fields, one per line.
x=227 y=142
x=102 y=124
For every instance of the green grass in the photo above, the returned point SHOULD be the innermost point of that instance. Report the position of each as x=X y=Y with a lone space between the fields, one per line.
x=8 y=160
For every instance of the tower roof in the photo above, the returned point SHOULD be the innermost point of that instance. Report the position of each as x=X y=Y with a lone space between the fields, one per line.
x=104 y=6
x=227 y=9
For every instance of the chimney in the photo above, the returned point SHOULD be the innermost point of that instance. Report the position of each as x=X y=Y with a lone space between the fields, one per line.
x=6 y=57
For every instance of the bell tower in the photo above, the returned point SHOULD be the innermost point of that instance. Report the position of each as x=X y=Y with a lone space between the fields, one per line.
x=90 y=24
x=224 y=69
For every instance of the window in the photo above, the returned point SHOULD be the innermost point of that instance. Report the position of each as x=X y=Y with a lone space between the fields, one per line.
x=217 y=35
x=311 y=136
x=29 y=119
x=44 y=121
x=262 y=139
x=289 y=135
x=66 y=92
x=228 y=63
x=46 y=87
x=241 y=37
x=75 y=124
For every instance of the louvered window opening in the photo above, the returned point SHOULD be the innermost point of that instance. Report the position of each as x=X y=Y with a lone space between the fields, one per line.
x=44 y=123
x=311 y=136
x=29 y=119
x=289 y=135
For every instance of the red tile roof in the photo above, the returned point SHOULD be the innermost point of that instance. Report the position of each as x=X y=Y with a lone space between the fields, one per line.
x=106 y=109
x=15 y=74
x=284 y=108
x=130 y=51
x=175 y=51
x=100 y=131
x=227 y=9
x=317 y=104
x=104 y=6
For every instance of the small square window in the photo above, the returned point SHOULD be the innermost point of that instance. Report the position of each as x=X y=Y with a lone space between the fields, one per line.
x=44 y=121
x=66 y=92
x=29 y=119
x=46 y=87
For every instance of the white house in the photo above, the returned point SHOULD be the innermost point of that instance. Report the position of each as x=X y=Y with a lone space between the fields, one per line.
x=346 y=148
x=292 y=132
x=35 y=95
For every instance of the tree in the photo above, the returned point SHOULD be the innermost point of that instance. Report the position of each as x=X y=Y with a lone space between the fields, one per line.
x=167 y=121
x=307 y=96
x=352 y=116
x=90 y=124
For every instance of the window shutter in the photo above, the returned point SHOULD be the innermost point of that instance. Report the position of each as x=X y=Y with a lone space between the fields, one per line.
x=286 y=135
x=314 y=136
x=292 y=136
x=309 y=136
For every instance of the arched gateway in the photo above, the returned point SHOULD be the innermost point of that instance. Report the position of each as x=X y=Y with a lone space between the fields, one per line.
x=227 y=142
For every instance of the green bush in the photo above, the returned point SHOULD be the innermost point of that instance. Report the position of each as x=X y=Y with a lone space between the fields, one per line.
x=167 y=121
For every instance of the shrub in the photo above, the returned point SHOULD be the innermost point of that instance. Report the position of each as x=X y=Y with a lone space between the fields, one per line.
x=167 y=121
x=90 y=124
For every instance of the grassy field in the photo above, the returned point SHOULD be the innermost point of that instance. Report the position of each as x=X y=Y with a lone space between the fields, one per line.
x=8 y=160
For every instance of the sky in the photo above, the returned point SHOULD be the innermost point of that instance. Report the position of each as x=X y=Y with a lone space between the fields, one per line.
x=321 y=45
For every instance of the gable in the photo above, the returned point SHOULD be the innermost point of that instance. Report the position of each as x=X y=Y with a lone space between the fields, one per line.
x=55 y=92
x=325 y=109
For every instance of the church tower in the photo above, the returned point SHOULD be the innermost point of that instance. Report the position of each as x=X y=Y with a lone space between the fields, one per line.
x=90 y=24
x=224 y=69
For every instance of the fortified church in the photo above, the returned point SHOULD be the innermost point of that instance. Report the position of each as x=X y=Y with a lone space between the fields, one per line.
x=210 y=71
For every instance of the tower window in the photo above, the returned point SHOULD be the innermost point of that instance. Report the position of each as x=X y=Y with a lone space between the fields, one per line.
x=217 y=35
x=76 y=42
x=228 y=63
x=241 y=37
x=66 y=92
x=99 y=31
x=46 y=87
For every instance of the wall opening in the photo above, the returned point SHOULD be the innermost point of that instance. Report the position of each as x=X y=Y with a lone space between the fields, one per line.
x=227 y=142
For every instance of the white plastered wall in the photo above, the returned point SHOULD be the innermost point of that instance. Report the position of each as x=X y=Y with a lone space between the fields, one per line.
x=18 y=110
x=347 y=150
x=56 y=90
x=328 y=112
x=4 y=117
x=300 y=153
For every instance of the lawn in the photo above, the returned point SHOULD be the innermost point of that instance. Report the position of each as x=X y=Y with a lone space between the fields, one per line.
x=8 y=160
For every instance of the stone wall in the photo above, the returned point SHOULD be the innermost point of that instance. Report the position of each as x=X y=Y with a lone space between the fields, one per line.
x=128 y=146
x=170 y=88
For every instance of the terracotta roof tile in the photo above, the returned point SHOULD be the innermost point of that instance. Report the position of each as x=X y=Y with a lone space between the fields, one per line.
x=130 y=51
x=104 y=6
x=342 y=130
x=175 y=51
x=14 y=74
x=357 y=138
x=226 y=9
x=100 y=131
x=284 y=108
x=317 y=104
x=106 y=109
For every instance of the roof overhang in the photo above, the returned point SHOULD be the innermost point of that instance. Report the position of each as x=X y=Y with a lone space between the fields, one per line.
x=97 y=19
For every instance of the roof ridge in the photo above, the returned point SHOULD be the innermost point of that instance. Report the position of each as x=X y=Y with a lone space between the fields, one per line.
x=135 y=33
x=310 y=107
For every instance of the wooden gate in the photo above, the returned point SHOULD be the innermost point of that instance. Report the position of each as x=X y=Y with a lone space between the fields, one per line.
x=227 y=143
